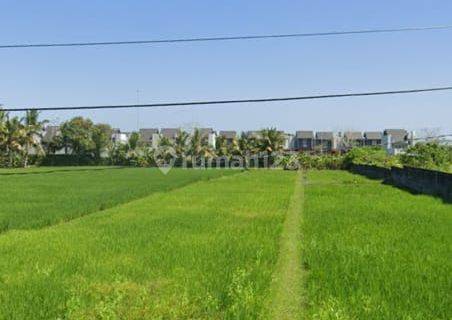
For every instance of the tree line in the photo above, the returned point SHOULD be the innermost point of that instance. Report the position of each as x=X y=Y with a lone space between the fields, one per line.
x=22 y=144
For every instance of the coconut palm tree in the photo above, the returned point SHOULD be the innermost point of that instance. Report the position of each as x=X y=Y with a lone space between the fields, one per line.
x=247 y=144
x=3 y=119
x=199 y=147
x=15 y=135
x=271 y=143
x=222 y=148
x=246 y=147
x=3 y=137
x=33 y=134
x=271 y=140
x=165 y=151
x=180 y=144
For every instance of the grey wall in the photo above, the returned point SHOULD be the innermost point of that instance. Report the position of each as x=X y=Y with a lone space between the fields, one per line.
x=418 y=180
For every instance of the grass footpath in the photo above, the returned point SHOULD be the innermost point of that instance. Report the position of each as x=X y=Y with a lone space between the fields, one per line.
x=287 y=299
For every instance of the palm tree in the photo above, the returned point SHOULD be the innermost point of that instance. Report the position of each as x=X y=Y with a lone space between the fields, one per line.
x=15 y=135
x=33 y=134
x=180 y=144
x=199 y=147
x=221 y=146
x=3 y=119
x=246 y=146
x=3 y=136
x=271 y=140
x=271 y=143
x=165 y=151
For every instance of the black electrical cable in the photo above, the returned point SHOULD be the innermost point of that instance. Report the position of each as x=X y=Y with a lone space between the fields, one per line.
x=215 y=102
x=225 y=38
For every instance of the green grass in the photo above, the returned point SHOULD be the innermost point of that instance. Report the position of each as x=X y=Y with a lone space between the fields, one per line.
x=204 y=251
x=211 y=244
x=286 y=302
x=8 y=171
x=45 y=196
x=373 y=251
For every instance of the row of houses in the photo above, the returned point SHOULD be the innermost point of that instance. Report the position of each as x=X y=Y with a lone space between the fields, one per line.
x=152 y=136
x=393 y=140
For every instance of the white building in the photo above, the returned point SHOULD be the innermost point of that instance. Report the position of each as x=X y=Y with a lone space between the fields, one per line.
x=396 y=141
x=119 y=137
x=210 y=135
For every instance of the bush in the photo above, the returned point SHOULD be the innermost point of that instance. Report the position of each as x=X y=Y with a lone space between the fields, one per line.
x=428 y=156
x=373 y=156
x=307 y=161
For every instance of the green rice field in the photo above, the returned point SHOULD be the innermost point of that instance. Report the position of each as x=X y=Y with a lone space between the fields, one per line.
x=125 y=243
x=38 y=197
x=373 y=251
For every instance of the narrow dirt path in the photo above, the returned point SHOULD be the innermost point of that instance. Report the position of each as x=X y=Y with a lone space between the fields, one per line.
x=287 y=295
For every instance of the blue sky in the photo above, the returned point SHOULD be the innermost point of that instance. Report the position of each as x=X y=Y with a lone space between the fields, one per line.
x=223 y=70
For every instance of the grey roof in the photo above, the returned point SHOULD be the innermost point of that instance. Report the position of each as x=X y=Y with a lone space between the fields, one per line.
x=146 y=134
x=397 y=135
x=228 y=134
x=324 y=135
x=304 y=135
x=50 y=132
x=373 y=135
x=115 y=131
x=169 y=133
x=205 y=131
x=353 y=135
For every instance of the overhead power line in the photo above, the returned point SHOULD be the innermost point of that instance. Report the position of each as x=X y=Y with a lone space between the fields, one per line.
x=216 y=102
x=225 y=38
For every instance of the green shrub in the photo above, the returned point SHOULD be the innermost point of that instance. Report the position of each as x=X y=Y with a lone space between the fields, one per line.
x=308 y=161
x=428 y=156
x=374 y=156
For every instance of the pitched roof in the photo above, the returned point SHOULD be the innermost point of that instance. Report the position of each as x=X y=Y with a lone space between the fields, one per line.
x=169 y=133
x=304 y=134
x=397 y=135
x=373 y=135
x=146 y=134
x=353 y=135
x=205 y=131
x=228 y=134
x=324 y=135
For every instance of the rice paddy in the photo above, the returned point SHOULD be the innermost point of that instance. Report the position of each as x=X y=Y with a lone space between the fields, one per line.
x=116 y=243
x=373 y=251
x=206 y=250
x=38 y=197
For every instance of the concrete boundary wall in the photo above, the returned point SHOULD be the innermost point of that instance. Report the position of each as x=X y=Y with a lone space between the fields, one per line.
x=415 y=179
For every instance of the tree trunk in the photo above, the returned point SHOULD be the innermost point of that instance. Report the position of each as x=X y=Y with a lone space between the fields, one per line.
x=26 y=155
